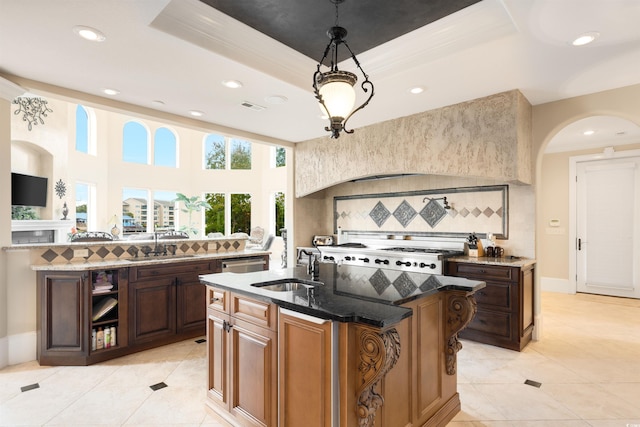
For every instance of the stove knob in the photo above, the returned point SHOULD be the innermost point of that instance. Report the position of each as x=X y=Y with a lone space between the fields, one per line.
x=408 y=264
x=348 y=258
x=431 y=266
x=330 y=258
x=364 y=259
x=382 y=261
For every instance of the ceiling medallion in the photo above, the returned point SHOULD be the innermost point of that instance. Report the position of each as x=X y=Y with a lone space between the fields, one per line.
x=33 y=109
x=334 y=88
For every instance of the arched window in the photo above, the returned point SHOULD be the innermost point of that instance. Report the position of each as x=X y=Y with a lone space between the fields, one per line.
x=164 y=148
x=135 y=143
x=214 y=152
x=82 y=130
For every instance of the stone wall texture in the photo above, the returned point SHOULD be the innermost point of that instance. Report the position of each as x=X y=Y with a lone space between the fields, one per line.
x=485 y=138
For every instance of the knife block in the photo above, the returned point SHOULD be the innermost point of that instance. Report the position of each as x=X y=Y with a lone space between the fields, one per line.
x=474 y=250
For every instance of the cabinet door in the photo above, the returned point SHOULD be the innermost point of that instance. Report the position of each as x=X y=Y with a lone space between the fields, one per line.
x=304 y=367
x=191 y=309
x=218 y=358
x=62 y=317
x=253 y=382
x=152 y=309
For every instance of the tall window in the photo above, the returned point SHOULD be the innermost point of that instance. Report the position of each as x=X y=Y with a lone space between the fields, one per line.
x=214 y=217
x=135 y=143
x=214 y=152
x=164 y=148
x=164 y=211
x=85 y=206
x=240 y=153
x=241 y=213
x=281 y=157
x=82 y=130
x=279 y=212
x=135 y=212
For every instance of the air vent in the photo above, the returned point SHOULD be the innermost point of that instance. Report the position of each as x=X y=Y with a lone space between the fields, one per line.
x=252 y=106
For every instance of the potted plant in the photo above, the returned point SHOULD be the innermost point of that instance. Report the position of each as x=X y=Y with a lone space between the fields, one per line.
x=191 y=205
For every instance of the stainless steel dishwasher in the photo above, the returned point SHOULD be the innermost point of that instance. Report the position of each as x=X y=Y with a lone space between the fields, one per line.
x=243 y=265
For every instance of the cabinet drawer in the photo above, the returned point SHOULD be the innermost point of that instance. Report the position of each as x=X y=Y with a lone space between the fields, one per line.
x=495 y=294
x=483 y=271
x=491 y=322
x=254 y=311
x=218 y=299
x=150 y=271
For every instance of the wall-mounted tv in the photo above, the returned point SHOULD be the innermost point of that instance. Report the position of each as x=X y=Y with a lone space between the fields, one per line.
x=28 y=190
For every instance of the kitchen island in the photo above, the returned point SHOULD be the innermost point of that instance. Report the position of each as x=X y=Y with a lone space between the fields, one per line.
x=355 y=347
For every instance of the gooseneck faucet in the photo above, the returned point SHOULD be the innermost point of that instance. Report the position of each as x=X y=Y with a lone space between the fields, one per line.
x=314 y=267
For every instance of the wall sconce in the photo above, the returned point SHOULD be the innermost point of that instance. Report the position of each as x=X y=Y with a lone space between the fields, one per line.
x=33 y=109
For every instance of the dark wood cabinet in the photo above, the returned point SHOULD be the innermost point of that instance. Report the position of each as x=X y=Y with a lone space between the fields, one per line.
x=242 y=353
x=167 y=301
x=70 y=309
x=63 y=315
x=505 y=305
x=148 y=306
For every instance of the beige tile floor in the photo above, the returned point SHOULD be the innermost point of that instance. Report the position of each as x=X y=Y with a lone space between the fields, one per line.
x=588 y=363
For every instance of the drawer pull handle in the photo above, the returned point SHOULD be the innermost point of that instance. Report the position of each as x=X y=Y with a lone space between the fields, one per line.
x=482 y=271
x=215 y=300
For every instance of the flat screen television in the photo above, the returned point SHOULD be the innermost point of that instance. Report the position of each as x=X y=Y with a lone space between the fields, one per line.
x=28 y=190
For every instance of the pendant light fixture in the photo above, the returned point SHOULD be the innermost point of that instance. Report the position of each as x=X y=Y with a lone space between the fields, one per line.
x=334 y=89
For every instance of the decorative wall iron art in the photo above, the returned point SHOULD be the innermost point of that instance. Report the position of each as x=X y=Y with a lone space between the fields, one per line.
x=33 y=109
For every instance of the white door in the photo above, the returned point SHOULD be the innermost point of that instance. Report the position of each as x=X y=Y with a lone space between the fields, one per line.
x=608 y=227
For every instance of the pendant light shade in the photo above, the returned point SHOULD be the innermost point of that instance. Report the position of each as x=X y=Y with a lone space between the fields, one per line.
x=334 y=89
x=338 y=94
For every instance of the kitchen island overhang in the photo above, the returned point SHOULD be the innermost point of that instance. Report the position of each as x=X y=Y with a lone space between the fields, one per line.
x=344 y=293
x=373 y=308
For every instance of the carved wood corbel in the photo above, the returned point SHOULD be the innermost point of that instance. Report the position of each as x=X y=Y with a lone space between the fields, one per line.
x=461 y=307
x=379 y=352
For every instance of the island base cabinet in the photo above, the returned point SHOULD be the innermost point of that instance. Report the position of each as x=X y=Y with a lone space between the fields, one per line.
x=305 y=366
x=242 y=360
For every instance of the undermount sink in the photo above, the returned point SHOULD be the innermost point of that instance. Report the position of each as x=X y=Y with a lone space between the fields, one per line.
x=286 y=285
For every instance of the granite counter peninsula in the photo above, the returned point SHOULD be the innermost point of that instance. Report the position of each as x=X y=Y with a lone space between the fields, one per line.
x=356 y=345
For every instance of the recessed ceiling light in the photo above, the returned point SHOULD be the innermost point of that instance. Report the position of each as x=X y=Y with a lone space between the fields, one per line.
x=232 y=84
x=276 y=99
x=585 y=38
x=588 y=132
x=416 y=90
x=89 y=33
x=111 y=92
x=196 y=113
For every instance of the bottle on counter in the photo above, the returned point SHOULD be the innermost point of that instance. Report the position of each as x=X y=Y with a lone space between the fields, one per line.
x=94 y=339
x=107 y=337
x=113 y=336
x=100 y=339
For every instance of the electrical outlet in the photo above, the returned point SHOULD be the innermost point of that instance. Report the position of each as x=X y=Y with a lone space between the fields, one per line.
x=81 y=253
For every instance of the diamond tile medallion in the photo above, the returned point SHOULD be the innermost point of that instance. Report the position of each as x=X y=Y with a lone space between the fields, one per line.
x=432 y=213
x=404 y=213
x=379 y=214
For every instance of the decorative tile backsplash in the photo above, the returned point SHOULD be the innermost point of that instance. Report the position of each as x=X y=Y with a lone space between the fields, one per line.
x=465 y=210
x=101 y=251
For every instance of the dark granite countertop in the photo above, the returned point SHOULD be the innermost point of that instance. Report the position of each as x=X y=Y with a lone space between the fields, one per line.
x=344 y=293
